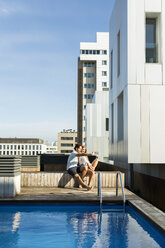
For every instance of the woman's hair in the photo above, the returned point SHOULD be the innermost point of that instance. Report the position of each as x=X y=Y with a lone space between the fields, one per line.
x=84 y=148
x=77 y=146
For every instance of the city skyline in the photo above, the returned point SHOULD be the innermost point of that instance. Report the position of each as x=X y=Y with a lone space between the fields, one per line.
x=39 y=46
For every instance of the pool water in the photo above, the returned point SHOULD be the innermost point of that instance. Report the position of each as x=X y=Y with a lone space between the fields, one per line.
x=75 y=226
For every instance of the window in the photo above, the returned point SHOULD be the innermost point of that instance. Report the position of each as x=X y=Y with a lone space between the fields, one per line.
x=8 y=147
x=88 y=96
x=104 y=62
x=118 y=54
x=3 y=152
x=104 y=51
x=76 y=139
x=104 y=84
x=84 y=129
x=89 y=64
x=66 y=151
x=29 y=147
x=4 y=147
x=85 y=107
x=104 y=73
x=120 y=121
x=15 y=152
x=33 y=147
x=112 y=124
x=37 y=147
x=11 y=152
x=26 y=147
x=66 y=138
x=18 y=147
x=107 y=124
x=151 y=46
x=15 y=147
x=33 y=152
x=7 y=152
x=89 y=86
x=111 y=69
x=62 y=144
x=0 y=147
x=22 y=147
x=89 y=75
x=11 y=147
x=84 y=118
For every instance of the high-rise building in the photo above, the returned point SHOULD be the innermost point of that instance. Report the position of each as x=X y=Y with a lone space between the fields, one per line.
x=137 y=94
x=93 y=75
x=66 y=141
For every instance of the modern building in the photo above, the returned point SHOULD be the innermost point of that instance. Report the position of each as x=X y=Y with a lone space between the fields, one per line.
x=137 y=93
x=22 y=146
x=97 y=125
x=93 y=75
x=52 y=148
x=66 y=141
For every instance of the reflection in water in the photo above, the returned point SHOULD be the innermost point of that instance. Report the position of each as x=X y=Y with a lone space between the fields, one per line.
x=9 y=224
x=16 y=221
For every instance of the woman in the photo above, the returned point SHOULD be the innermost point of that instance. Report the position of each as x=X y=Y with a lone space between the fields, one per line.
x=84 y=161
x=86 y=167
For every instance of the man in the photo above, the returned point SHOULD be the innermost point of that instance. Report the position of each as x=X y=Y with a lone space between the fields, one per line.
x=72 y=167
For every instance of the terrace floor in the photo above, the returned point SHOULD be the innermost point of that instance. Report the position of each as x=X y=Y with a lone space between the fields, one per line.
x=47 y=195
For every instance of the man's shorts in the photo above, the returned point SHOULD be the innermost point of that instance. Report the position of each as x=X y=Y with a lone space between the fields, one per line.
x=74 y=170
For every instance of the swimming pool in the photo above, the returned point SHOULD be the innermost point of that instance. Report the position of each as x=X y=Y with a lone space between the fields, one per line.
x=53 y=226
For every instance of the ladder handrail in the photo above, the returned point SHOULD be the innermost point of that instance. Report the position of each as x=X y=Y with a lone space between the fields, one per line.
x=121 y=181
x=99 y=188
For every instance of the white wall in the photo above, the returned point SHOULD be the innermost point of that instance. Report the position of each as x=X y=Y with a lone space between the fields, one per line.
x=96 y=113
x=143 y=83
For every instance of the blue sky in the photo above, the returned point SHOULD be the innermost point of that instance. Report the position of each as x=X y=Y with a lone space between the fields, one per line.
x=39 y=48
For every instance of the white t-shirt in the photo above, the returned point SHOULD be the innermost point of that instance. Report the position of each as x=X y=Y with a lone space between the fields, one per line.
x=72 y=160
x=83 y=161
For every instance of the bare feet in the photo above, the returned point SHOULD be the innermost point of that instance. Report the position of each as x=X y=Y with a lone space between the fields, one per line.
x=80 y=186
x=89 y=188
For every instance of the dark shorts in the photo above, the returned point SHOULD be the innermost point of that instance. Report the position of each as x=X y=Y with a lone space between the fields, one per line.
x=73 y=171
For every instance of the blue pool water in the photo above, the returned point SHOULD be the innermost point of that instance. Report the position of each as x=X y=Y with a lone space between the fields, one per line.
x=74 y=226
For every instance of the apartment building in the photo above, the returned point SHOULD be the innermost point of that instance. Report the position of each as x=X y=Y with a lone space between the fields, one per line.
x=93 y=75
x=66 y=141
x=137 y=94
x=22 y=146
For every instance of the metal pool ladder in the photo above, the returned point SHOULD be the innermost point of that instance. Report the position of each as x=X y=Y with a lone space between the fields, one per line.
x=121 y=181
x=99 y=193
x=122 y=187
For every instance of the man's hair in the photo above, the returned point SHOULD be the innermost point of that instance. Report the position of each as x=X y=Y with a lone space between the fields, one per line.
x=77 y=146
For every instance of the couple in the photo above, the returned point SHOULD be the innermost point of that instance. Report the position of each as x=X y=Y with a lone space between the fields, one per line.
x=79 y=155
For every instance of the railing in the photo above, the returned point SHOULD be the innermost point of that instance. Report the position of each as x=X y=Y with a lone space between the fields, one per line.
x=99 y=193
x=121 y=181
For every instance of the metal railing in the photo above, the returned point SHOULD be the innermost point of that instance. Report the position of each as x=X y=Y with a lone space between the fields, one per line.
x=99 y=193
x=122 y=187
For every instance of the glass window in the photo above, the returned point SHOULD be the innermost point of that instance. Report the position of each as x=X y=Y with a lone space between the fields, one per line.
x=112 y=124
x=104 y=62
x=104 y=84
x=111 y=69
x=86 y=51
x=94 y=52
x=120 y=122
x=11 y=147
x=26 y=147
x=7 y=146
x=11 y=152
x=7 y=152
x=118 y=53
x=4 y=147
x=66 y=138
x=107 y=124
x=98 y=51
x=66 y=144
x=15 y=147
x=83 y=51
x=104 y=73
x=37 y=147
x=0 y=147
x=89 y=75
x=33 y=147
x=3 y=152
x=22 y=147
x=18 y=147
x=85 y=106
x=151 y=48
x=29 y=147
x=104 y=52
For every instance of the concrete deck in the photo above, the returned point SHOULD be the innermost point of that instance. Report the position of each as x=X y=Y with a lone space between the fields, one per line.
x=47 y=195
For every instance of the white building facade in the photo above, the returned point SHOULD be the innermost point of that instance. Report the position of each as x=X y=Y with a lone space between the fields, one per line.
x=22 y=146
x=97 y=125
x=137 y=85
x=93 y=75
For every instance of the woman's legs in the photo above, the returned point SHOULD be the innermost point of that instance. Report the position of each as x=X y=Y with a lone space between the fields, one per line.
x=91 y=174
x=95 y=163
x=84 y=170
